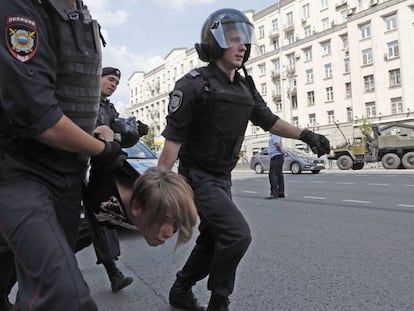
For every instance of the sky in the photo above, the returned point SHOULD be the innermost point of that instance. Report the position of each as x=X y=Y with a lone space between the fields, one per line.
x=140 y=33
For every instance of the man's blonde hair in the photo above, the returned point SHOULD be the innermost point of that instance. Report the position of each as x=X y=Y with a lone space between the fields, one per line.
x=159 y=190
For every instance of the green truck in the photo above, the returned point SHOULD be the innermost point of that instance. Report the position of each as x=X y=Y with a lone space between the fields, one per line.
x=393 y=148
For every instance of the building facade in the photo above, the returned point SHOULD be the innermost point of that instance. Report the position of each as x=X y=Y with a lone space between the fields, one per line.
x=318 y=64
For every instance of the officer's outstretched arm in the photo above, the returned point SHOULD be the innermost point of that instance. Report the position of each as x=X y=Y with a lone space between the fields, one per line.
x=285 y=129
x=169 y=154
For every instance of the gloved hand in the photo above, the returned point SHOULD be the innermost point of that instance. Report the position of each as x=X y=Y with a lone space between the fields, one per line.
x=142 y=128
x=318 y=143
x=111 y=157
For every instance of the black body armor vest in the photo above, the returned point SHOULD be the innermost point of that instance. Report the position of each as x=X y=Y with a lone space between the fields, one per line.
x=218 y=126
x=75 y=38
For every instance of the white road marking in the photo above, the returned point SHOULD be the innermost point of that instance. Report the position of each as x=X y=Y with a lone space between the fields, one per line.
x=250 y=191
x=376 y=184
x=408 y=185
x=345 y=183
x=317 y=182
x=314 y=198
x=405 y=205
x=357 y=201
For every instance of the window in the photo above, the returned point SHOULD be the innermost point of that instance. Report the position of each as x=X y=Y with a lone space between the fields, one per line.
x=349 y=114
x=305 y=11
x=308 y=54
x=365 y=30
x=261 y=32
x=289 y=18
x=263 y=89
x=279 y=105
x=262 y=69
x=369 y=85
x=395 y=77
x=291 y=60
x=328 y=70
x=324 y=4
x=391 y=22
x=309 y=75
x=370 y=109
x=347 y=66
x=396 y=105
x=275 y=26
x=312 y=119
x=278 y=89
x=262 y=49
x=290 y=37
x=331 y=117
x=348 y=89
x=311 y=98
x=345 y=42
x=393 y=49
x=275 y=44
x=326 y=48
x=325 y=23
x=295 y=121
x=367 y=56
x=307 y=31
x=276 y=65
x=329 y=93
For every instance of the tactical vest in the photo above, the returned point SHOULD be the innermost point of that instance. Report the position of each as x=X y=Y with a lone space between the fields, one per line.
x=218 y=126
x=79 y=61
x=75 y=38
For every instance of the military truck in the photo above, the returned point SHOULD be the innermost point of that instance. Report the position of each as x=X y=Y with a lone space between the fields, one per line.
x=392 y=148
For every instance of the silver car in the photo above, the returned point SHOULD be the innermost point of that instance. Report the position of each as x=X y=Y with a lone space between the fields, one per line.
x=296 y=161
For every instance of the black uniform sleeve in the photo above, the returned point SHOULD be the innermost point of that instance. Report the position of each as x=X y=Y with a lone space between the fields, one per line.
x=180 y=108
x=261 y=115
x=27 y=70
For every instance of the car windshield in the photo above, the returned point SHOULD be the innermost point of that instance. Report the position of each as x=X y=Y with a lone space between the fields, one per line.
x=140 y=151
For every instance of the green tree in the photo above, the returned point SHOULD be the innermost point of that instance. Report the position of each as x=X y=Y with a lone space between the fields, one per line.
x=365 y=127
x=149 y=139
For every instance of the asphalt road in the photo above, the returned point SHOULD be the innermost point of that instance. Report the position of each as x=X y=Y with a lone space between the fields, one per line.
x=338 y=241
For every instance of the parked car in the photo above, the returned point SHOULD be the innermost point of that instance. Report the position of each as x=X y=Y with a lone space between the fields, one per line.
x=296 y=161
x=141 y=157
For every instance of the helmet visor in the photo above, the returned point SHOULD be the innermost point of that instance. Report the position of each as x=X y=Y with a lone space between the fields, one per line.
x=234 y=33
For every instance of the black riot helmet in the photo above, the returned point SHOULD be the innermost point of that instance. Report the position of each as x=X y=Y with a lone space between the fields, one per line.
x=216 y=30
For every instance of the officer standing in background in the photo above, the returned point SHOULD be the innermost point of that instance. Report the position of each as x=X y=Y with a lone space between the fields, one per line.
x=209 y=110
x=105 y=240
x=277 y=157
x=50 y=55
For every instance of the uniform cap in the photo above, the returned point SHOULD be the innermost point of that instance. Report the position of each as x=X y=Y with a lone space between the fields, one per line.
x=106 y=71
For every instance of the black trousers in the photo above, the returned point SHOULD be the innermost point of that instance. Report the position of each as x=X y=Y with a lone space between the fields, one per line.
x=47 y=271
x=276 y=178
x=224 y=233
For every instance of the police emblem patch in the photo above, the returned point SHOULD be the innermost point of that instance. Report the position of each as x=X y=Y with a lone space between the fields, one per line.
x=176 y=99
x=21 y=37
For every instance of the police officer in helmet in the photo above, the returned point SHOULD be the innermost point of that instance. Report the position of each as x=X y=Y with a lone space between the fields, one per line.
x=209 y=110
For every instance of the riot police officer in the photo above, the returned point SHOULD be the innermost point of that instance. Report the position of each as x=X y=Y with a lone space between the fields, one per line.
x=209 y=110
x=51 y=52
x=105 y=240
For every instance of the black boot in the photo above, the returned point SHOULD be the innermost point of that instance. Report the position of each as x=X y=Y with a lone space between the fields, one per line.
x=181 y=296
x=117 y=278
x=218 y=303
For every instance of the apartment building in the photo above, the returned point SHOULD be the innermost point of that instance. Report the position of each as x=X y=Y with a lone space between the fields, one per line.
x=318 y=64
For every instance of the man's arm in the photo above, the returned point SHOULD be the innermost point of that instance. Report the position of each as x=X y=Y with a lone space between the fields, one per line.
x=169 y=154
x=318 y=143
x=66 y=135
x=285 y=129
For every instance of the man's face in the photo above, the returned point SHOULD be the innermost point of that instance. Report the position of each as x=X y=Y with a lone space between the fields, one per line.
x=109 y=83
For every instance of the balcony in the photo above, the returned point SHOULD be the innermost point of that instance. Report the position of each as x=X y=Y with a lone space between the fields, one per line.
x=341 y=4
x=276 y=95
x=288 y=27
x=275 y=75
x=274 y=33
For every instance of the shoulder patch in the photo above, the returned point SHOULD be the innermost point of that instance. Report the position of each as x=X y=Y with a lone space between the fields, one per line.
x=21 y=37
x=193 y=73
x=176 y=99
